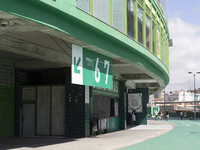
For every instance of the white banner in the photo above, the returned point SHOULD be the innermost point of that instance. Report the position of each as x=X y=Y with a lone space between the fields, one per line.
x=135 y=102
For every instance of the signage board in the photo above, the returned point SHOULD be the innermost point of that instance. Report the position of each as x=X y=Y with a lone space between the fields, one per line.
x=135 y=102
x=91 y=69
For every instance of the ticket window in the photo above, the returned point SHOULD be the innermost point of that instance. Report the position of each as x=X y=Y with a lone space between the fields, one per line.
x=101 y=107
x=114 y=108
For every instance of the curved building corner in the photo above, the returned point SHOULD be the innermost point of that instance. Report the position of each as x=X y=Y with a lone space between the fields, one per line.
x=78 y=68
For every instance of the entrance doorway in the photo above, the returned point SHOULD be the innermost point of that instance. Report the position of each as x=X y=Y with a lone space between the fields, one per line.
x=43 y=110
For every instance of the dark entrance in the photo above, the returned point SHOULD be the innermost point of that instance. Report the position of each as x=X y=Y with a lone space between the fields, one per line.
x=43 y=102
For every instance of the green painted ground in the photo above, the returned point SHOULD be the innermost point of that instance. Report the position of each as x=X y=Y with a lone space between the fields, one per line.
x=184 y=136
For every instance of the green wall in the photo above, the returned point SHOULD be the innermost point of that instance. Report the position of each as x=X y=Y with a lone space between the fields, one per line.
x=7 y=97
x=7 y=107
x=77 y=111
x=113 y=124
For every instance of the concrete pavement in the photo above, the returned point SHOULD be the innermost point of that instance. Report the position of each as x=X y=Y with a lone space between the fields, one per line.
x=109 y=141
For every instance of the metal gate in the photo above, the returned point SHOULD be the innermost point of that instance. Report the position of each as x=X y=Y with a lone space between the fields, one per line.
x=43 y=110
x=28 y=120
x=58 y=110
x=28 y=112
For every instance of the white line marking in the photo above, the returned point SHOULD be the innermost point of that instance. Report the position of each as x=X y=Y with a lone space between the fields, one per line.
x=152 y=127
x=195 y=123
x=174 y=124
x=185 y=124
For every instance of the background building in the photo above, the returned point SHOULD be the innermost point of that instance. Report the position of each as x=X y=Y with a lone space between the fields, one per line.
x=177 y=101
x=67 y=66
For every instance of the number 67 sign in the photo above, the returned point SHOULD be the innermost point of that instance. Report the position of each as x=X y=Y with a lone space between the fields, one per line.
x=91 y=69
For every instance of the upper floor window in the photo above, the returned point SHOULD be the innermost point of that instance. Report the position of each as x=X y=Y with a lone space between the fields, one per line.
x=84 y=5
x=140 y=24
x=102 y=10
x=154 y=38
x=161 y=48
x=145 y=33
x=158 y=43
x=163 y=4
x=148 y=36
x=130 y=17
x=118 y=15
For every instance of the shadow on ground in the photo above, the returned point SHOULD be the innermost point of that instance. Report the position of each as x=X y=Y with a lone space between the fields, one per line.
x=31 y=142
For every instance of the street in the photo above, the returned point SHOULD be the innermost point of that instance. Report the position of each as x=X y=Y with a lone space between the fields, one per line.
x=184 y=136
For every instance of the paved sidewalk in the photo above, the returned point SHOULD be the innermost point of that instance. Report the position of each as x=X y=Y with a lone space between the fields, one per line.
x=109 y=141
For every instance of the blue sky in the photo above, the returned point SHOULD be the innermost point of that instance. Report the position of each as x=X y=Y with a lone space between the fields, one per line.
x=186 y=10
x=184 y=28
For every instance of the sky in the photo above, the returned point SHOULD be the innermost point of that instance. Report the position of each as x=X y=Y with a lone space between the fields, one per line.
x=184 y=56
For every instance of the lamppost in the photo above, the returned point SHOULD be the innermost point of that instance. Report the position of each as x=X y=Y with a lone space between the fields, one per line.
x=194 y=93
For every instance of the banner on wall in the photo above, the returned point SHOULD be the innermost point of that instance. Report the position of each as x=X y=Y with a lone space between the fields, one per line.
x=135 y=102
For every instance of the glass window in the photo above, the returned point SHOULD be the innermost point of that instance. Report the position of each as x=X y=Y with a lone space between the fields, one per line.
x=158 y=43
x=140 y=24
x=164 y=7
x=102 y=10
x=161 y=48
x=118 y=14
x=84 y=5
x=164 y=51
x=153 y=34
x=148 y=32
x=130 y=17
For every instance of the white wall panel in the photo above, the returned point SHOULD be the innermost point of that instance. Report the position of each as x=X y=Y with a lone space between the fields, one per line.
x=43 y=111
x=29 y=94
x=58 y=110
x=28 y=120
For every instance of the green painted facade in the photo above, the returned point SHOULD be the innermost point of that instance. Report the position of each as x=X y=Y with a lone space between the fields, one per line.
x=113 y=124
x=55 y=13
x=77 y=111
x=64 y=16
x=7 y=98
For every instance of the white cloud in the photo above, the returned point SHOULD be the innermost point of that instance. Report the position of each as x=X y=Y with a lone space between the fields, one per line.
x=184 y=55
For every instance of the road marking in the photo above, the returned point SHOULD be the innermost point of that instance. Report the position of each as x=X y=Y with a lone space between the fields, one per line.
x=186 y=124
x=174 y=124
x=195 y=123
x=152 y=127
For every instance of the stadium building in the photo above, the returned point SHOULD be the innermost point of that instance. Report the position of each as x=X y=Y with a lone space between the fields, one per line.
x=78 y=67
